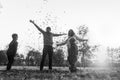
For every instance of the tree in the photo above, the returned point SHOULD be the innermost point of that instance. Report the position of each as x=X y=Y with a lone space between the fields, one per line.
x=113 y=56
x=19 y=60
x=33 y=58
x=58 y=58
x=3 y=57
x=84 y=48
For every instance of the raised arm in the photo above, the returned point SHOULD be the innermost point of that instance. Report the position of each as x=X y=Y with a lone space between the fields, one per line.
x=79 y=39
x=55 y=35
x=42 y=31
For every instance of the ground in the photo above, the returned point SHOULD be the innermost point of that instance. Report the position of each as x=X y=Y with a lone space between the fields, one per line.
x=58 y=73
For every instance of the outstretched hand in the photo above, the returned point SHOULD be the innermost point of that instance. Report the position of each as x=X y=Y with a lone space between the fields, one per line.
x=86 y=40
x=32 y=21
x=57 y=45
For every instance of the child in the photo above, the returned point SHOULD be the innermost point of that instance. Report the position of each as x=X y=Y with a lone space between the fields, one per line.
x=72 y=49
x=11 y=52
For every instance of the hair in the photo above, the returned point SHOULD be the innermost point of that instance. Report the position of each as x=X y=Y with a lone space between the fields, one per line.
x=48 y=28
x=14 y=35
x=71 y=33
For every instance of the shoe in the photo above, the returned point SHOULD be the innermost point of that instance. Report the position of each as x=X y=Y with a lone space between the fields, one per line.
x=41 y=69
x=6 y=71
x=73 y=70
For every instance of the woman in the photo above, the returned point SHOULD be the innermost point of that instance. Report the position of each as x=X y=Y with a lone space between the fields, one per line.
x=72 y=49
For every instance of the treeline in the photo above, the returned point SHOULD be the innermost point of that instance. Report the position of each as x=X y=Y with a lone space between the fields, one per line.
x=33 y=58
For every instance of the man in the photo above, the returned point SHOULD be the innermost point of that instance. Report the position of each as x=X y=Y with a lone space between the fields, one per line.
x=48 y=42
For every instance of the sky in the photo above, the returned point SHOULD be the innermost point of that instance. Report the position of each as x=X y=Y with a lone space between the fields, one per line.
x=101 y=16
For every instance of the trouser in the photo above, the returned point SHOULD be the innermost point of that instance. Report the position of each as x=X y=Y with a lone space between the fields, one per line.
x=72 y=57
x=47 y=50
x=72 y=60
x=10 y=61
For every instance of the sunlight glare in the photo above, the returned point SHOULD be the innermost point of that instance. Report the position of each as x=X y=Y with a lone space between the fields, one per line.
x=101 y=58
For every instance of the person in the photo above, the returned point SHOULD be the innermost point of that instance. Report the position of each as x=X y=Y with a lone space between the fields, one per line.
x=48 y=42
x=72 y=49
x=11 y=52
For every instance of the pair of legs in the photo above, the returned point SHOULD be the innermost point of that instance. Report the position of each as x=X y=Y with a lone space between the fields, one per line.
x=72 y=57
x=72 y=60
x=10 y=61
x=47 y=50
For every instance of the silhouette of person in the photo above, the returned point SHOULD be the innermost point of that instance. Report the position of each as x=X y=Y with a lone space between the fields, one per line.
x=11 y=52
x=48 y=42
x=72 y=49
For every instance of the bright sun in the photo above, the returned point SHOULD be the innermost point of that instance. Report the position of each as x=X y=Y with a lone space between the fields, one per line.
x=101 y=58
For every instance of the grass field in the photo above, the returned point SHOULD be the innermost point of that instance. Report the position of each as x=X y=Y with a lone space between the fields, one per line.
x=58 y=73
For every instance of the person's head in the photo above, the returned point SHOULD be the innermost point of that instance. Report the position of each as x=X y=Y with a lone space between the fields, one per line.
x=48 y=29
x=14 y=36
x=71 y=33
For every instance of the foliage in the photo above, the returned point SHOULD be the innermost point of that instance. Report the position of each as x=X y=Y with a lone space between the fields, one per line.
x=19 y=60
x=85 y=50
x=61 y=74
x=33 y=58
x=58 y=58
x=3 y=57
x=113 y=56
